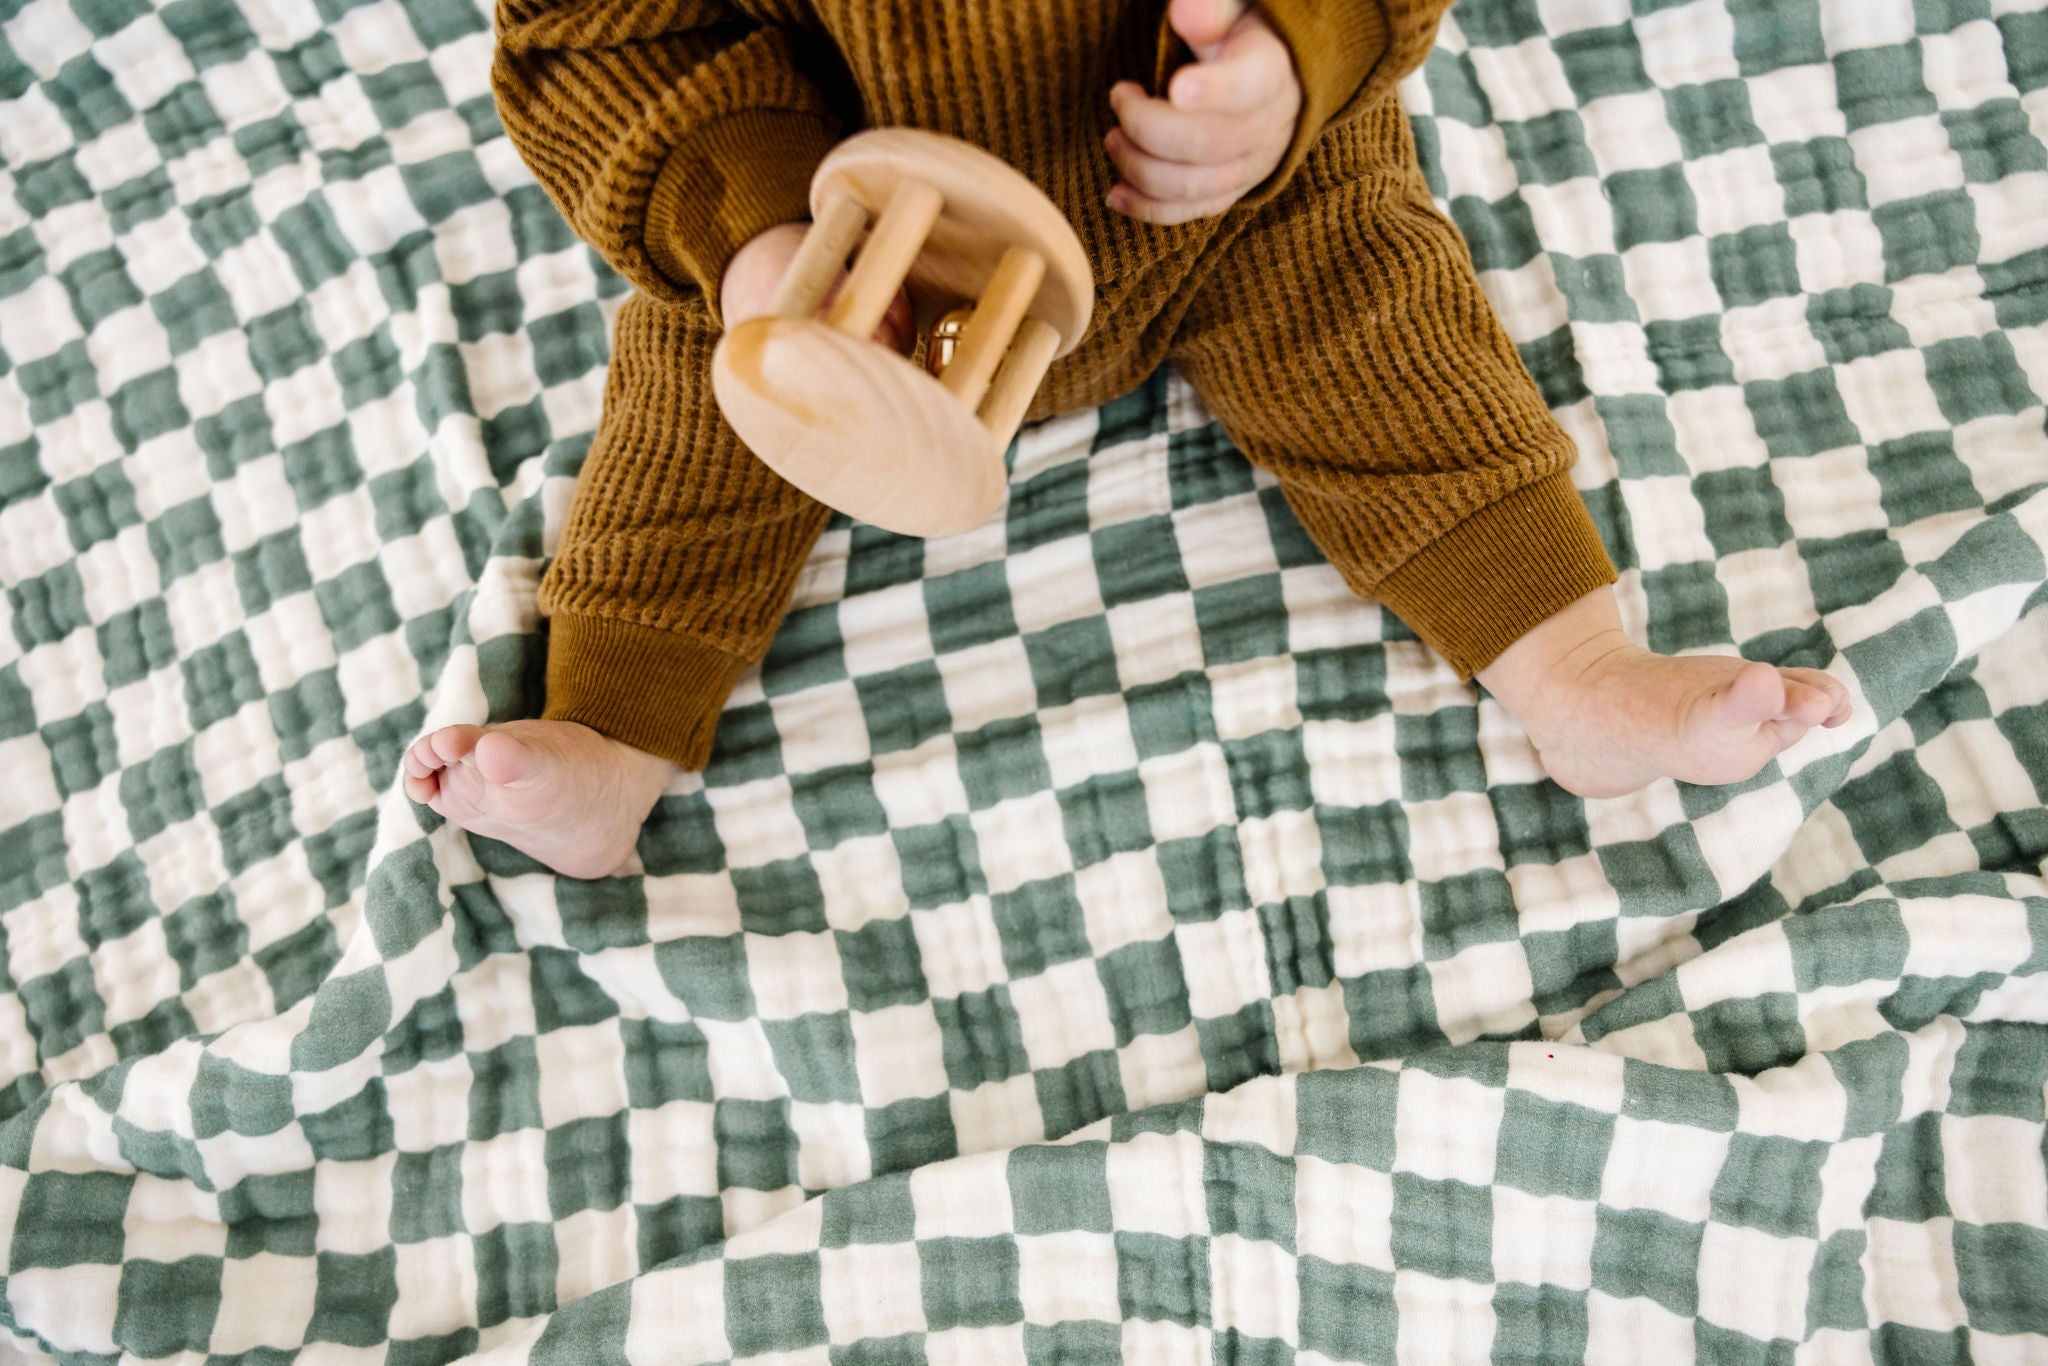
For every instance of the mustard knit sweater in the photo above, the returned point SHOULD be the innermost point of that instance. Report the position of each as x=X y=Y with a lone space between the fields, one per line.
x=669 y=132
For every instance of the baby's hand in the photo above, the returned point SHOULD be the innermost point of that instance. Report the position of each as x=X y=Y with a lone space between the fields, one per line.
x=1223 y=127
x=757 y=268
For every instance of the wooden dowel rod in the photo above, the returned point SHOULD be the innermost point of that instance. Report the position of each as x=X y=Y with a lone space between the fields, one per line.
x=1016 y=384
x=819 y=259
x=879 y=270
x=994 y=324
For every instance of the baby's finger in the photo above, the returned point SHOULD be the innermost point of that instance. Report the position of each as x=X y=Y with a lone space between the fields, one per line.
x=1165 y=213
x=1252 y=72
x=1187 y=136
x=1172 y=180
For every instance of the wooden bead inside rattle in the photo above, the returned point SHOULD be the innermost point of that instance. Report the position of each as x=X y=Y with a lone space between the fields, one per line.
x=918 y=451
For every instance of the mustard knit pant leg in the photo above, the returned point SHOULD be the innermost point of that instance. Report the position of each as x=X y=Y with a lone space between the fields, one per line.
x=1345 y=345
x=680 y=552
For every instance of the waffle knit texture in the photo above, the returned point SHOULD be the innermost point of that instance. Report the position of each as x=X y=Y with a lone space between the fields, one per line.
x=1331 y=320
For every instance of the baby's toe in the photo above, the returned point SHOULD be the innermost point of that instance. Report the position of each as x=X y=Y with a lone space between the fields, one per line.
x=1805 y=704
x=422 y=789
x=452 y=744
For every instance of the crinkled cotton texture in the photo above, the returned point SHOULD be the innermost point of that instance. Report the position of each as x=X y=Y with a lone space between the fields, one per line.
x=1121 y=822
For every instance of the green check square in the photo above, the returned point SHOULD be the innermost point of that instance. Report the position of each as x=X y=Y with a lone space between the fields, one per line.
x=875 y=559
x=1928 y=235
x=426 y=1194
x=1539 y=1322
x=814 y=1057
x=1642 y=1252
x=880 y=966
x=1750 y=1034
x=1204 y=875
x=1347 y=1311
x=1268 y=774
x=1601 y=61
x=1162 y=1279
x=969 y=1282
x=270 y=1213
x=1876 y=85
x=1688 y=608
x=1754 y=265
x=1538 y=823
x=515 y=1272
x=1364 y=846
x=807 y=651
x=1976 y=377
x=1567 y=968
x=1443 y=1228
x=58 y=383
x=880 y=1210
x=1550 y=148
x=1771 y=1184
x=773 y=1304
x=1040 y=923
x=903 y=707
x=1170 y=717
x=487 y=305
x=1105 y=815
x=665 y=1062
x=1239 y=1046
x=167 y=1307
x=570 y=344
x=147 y=407
x=2000 y=1269
x=1818 y=176
x=161 y=791
x=780 y=898
x=1743 y=509
x=1710 y=118
x=1059 y=1189
x=99 y=287
x=1771 y=35
x=192 y=310
x=440 y=186
x=1654 y=205
x=1085 y=1090
x=182 y=121
x=1893 y=808
x=1146 y=990
x=969 y=607
x=1073 y=660
x=313 y=242
x=504 y=1092
x=50 y=185
x=1439 y=753
x=941 y=862
x=49 y=607
x=1347 y=1116
x=1464 y=910
x=1800 y=415
x=911 y=1133
x=1920 y=476
x=1137 y=560
x=1994 y=140
x=1002 y=760
x=1688 y=354
x=82 y=749
x=1552 y=1147
x=1910 y=1184
x=204 y=936
x=1501 y=233
x=982 y=1038
x=403 y=92
x=353 y=1297
x=756 y=1146
x=1250 y=1192
x=70 y=1219
x=838 y=804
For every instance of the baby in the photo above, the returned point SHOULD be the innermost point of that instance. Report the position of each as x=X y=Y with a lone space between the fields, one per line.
x=1245 y=183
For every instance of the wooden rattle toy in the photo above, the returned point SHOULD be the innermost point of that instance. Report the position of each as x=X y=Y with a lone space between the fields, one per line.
x=849 y=421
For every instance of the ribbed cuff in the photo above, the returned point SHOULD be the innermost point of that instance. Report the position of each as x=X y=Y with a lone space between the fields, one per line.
x=654 y=690
x=727 y=182
x=1335 y=47
x=1485 y=583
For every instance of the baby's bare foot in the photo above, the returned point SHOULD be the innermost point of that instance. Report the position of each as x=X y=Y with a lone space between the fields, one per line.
x=556 y=791
x=1608 y=717
x=1632 y=717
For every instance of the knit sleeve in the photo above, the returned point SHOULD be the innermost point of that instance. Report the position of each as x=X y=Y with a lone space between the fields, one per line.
x=1346 y=54
x=667 y=133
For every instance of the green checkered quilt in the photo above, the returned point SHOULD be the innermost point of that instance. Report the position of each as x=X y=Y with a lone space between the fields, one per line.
x=1098 y=936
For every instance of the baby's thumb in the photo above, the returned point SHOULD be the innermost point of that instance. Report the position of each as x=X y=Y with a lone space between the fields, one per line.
x=1204 y=24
